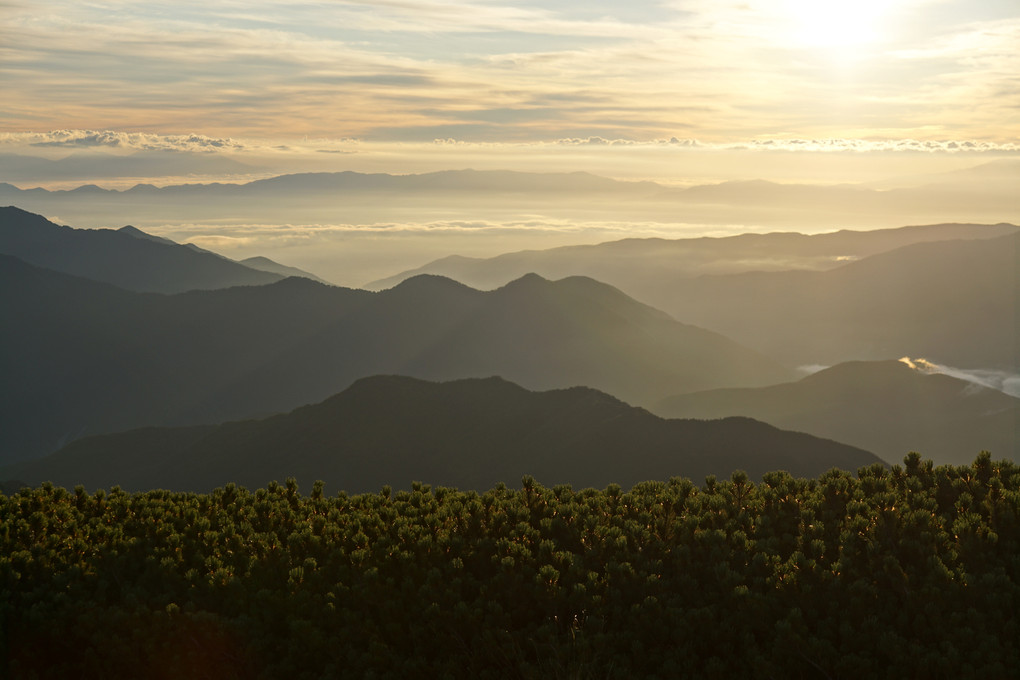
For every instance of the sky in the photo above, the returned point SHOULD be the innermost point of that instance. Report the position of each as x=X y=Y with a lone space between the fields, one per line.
x=682 y=92
x=484 y=71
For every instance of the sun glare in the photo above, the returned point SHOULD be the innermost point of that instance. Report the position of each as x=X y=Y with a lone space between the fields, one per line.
x=835 y=23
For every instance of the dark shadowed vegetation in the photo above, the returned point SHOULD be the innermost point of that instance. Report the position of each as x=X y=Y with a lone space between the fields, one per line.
x=904 y=573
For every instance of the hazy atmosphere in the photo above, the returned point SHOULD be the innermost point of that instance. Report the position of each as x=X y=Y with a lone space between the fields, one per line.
x=908 y=109
x=484 y=339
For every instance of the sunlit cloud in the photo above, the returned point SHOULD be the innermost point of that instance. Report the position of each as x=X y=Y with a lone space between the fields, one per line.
x=496 y=71
x=881 y=146
x=996 y=379
x=1003 y=381
x=832 y=145
x=137 y=141
x=147 y=141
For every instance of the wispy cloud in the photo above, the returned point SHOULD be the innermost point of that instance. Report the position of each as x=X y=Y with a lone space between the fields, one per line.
x=996 y=379
x=125 y=141
x=201 y=232
x=354 y=254
x=883 y=145
x=150 y=141
x=398 y=70
x=831 y=145
x=137 y=141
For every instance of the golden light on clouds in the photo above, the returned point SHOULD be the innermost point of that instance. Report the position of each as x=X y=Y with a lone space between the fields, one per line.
x=827 y=24
x=514 y=72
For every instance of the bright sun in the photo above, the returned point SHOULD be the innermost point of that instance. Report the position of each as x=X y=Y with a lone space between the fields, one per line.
x=835 y=23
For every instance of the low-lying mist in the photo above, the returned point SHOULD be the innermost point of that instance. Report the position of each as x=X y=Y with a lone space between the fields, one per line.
x=354 y=254
x=1004 y=381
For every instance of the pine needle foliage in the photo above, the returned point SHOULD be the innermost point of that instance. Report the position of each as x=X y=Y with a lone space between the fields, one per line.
x=908 y=572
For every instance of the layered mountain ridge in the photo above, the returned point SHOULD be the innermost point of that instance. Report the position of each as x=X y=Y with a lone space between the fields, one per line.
x=887 y=407
x=948 y=292
x=86 y=357
x=469 y=434
x=127 y=257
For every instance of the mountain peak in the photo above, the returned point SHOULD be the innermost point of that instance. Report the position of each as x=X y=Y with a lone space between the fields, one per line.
x=10 y=213
x=126 y=257
x=428 y=283
x=528 y=281
x=866 y=371
x=135 y=232
x=264 y=264
x=469 y=434
x=257 y=260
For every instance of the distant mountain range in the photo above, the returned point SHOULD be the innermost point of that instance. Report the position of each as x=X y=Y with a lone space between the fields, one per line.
x=129 y=257
x=332 y=196
x=645 y=267
x=100 y=337
x=948 y=292
x=359 y=184
x=887 y=407
x=82 y=357
x=264 y=264
x=348 y=197
x=954 y=302
x=469 y=434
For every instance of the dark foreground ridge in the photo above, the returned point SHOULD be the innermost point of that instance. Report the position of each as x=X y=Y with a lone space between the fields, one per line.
x=908 y=573
x=468 y=434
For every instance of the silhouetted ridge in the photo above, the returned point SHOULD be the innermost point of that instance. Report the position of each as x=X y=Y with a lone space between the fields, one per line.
x=471 y=434
x=127 y=257
x=953 y=300
x=529 y=280
x=17 y=219
x=648 y=268
x=138 y=233
x=122 y=360
x=861 y=372
x=258 y=259
x=886 y=407
x=575 y=288
x=429 y=284
x=446 y=180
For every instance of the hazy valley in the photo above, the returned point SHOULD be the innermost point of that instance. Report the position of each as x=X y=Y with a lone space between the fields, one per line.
x=115 y=329
x=480 y=340
x=355 y=227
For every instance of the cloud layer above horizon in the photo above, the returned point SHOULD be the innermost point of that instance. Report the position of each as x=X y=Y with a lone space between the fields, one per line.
x=485 y=71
